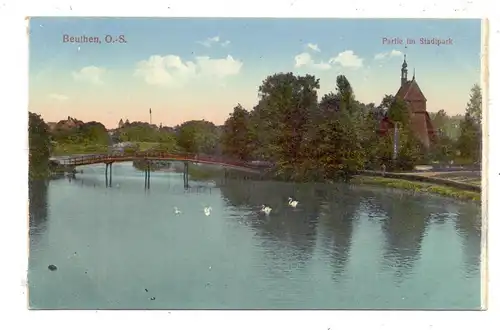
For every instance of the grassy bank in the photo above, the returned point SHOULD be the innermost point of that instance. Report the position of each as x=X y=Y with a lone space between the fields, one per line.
x=417 y=186
x=145 y=146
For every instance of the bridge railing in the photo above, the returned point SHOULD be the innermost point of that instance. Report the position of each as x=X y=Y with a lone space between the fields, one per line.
x=191 y=157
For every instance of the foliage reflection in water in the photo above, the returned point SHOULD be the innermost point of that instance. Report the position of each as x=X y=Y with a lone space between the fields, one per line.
x=343 y=247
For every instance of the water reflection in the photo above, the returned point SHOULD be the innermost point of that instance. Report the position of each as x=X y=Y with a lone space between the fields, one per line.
x=326 y=253
x=339 y=214
x=404 y=222
x=293 y=228
x=38 y=210
x=468 y=227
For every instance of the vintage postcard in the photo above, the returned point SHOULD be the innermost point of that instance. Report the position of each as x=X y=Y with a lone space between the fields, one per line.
x=190 y=163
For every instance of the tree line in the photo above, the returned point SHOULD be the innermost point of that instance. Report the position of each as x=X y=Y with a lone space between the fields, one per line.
x=306 y=137
x=337 y=136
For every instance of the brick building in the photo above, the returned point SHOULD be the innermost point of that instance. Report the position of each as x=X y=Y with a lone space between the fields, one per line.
x=420 y=122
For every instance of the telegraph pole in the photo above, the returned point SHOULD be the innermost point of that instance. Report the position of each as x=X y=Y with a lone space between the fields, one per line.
x=150 y=117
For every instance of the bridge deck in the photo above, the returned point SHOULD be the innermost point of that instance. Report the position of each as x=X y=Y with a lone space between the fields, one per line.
x=80 y=160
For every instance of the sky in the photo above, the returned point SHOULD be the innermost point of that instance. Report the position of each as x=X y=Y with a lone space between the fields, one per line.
x=193 y=68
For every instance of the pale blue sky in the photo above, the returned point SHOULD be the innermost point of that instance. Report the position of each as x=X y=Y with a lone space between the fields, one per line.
x=200 y=79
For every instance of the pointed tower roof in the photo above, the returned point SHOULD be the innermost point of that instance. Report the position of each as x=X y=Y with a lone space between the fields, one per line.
x=403 y=90
x=410 y=91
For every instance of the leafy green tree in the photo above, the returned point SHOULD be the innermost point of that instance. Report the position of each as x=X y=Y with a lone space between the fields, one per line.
x=446 y=125
x=91 y=133
x=261 y=135
x=94 y=133
x=236 y=136
x=198 y=136
x=475 y=105
x=138 y=132
x=333 y=146
x=442 y=149
x=144 y=132
x=330 y=102
x=284 y=111
x=346 y=94
x=397 y=111
x=39 y=146
x=410 y=150
x=469 y=143
x=368 y=130
x=439 y=120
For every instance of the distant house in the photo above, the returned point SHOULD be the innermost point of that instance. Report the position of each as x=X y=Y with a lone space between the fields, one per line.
x=69 y=123
x=420 y=121
x=120 y=147
x=52 y=125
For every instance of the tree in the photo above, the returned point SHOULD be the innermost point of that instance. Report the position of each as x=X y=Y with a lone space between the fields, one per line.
x=446 y=125
x=475 y=105
x=410 y=150
x=198 y=136
x=286 y=106
x=39 y=146
x=442 y=149
x=397 y=111
x=368 y=130
x=345 y=94
x=138 y=132
x=236 y=136
x=91 y=133
x=469 y=142
x=330 y=102
x=333 y=147
x=94 y=133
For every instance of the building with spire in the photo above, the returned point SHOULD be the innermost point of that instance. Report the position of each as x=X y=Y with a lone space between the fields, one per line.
x=420 y=122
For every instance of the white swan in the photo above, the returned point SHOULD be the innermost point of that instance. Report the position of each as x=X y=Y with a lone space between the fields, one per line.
x=176 y=210
x=207 y=210
x=266 y=209
x=292 y=203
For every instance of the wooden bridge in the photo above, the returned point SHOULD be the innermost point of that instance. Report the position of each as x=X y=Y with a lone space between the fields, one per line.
x=186 y=158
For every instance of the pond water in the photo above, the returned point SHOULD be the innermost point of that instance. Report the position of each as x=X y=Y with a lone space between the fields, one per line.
x=342 y=247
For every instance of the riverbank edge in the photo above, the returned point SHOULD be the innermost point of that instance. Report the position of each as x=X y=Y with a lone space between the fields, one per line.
x=417 y=186
x=404 y=181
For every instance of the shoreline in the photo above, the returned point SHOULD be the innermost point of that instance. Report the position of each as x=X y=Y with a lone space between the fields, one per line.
x=390 y=180
x=417 y=186
x=395 y=183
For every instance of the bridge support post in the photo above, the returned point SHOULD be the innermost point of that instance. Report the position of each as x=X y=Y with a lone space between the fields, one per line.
x=149 y=174
x=106 y=174
x=110 y=174
x=186 y=175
